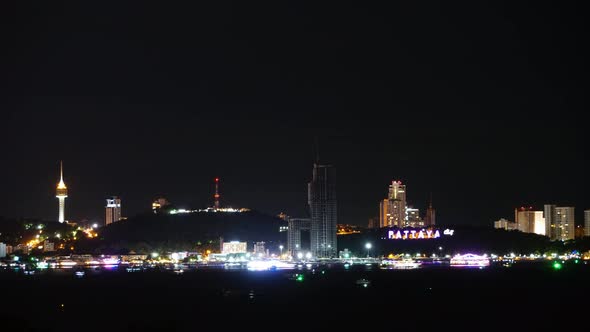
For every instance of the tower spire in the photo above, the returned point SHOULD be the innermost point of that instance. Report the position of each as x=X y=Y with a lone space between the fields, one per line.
x=61 y=184
x=317 y=150
x=216 y=196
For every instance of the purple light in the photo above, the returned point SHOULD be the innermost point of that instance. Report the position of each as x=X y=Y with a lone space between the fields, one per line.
x=470 y=260
x=110 y=261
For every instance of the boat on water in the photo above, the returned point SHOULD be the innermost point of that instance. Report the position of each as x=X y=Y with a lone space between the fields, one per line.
x=401 y=264
x=470 y=260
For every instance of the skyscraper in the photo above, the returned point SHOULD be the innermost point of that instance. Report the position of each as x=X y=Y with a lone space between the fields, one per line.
x=430 y=218
x=113 y=210
x=586 y=222
x=559 y=222
x=384 y=214
x=392 y=210
x=61 y=193
x=322 y=204
x=397 y=197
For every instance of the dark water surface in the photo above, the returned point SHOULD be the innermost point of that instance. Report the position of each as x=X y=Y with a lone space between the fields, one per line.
x=525 y=295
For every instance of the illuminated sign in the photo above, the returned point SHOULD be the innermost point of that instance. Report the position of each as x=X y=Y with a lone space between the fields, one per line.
x=234 y=247
x=417 y=234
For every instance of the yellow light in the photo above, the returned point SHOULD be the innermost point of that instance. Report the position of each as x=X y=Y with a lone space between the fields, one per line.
x=61 y=185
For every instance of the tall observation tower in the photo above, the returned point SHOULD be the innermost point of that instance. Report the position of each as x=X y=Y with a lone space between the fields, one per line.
x=61 y=193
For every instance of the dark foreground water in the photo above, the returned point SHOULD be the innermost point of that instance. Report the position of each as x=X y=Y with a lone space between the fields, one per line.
x=524 y=296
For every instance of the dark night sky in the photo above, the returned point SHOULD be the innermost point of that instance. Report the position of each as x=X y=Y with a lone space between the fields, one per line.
x=480 y=104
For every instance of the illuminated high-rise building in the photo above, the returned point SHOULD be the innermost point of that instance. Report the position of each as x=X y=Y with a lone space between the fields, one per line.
x=586 y=222
x=323 y=208
x=392 y=210
x=529 y=221
x=413 y=217
x=113 y=210
x=384 y=214
x=397 y=199
x=559 y=222
x=61 y=193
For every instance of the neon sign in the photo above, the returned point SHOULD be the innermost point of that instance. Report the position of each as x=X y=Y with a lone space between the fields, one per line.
x=417 y=234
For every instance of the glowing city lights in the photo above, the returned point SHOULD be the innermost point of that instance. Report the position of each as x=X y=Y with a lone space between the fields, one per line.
x=263 y=265
x=470 y=260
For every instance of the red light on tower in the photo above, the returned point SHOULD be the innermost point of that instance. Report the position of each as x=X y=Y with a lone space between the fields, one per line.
x=216 y=195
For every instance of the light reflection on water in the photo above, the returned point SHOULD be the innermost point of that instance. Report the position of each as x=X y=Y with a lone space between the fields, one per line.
x=179 y=269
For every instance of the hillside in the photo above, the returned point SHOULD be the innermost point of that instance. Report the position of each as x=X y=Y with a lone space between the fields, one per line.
x=194 y=231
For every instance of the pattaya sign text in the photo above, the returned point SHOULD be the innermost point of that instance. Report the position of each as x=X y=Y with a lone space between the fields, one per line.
x=417 y=234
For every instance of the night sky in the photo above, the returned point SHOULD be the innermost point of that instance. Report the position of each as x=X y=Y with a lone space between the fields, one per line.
x=480 y=104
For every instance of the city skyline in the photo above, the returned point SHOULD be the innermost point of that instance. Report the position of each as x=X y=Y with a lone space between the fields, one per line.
x=456 y=104
x=62 y=190
x=264 y=159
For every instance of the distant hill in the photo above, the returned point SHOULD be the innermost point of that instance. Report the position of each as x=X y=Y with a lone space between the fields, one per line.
x=191 y=231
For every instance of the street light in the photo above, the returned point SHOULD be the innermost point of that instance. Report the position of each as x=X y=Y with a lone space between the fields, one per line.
x=368 y=246
x=281 y=248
